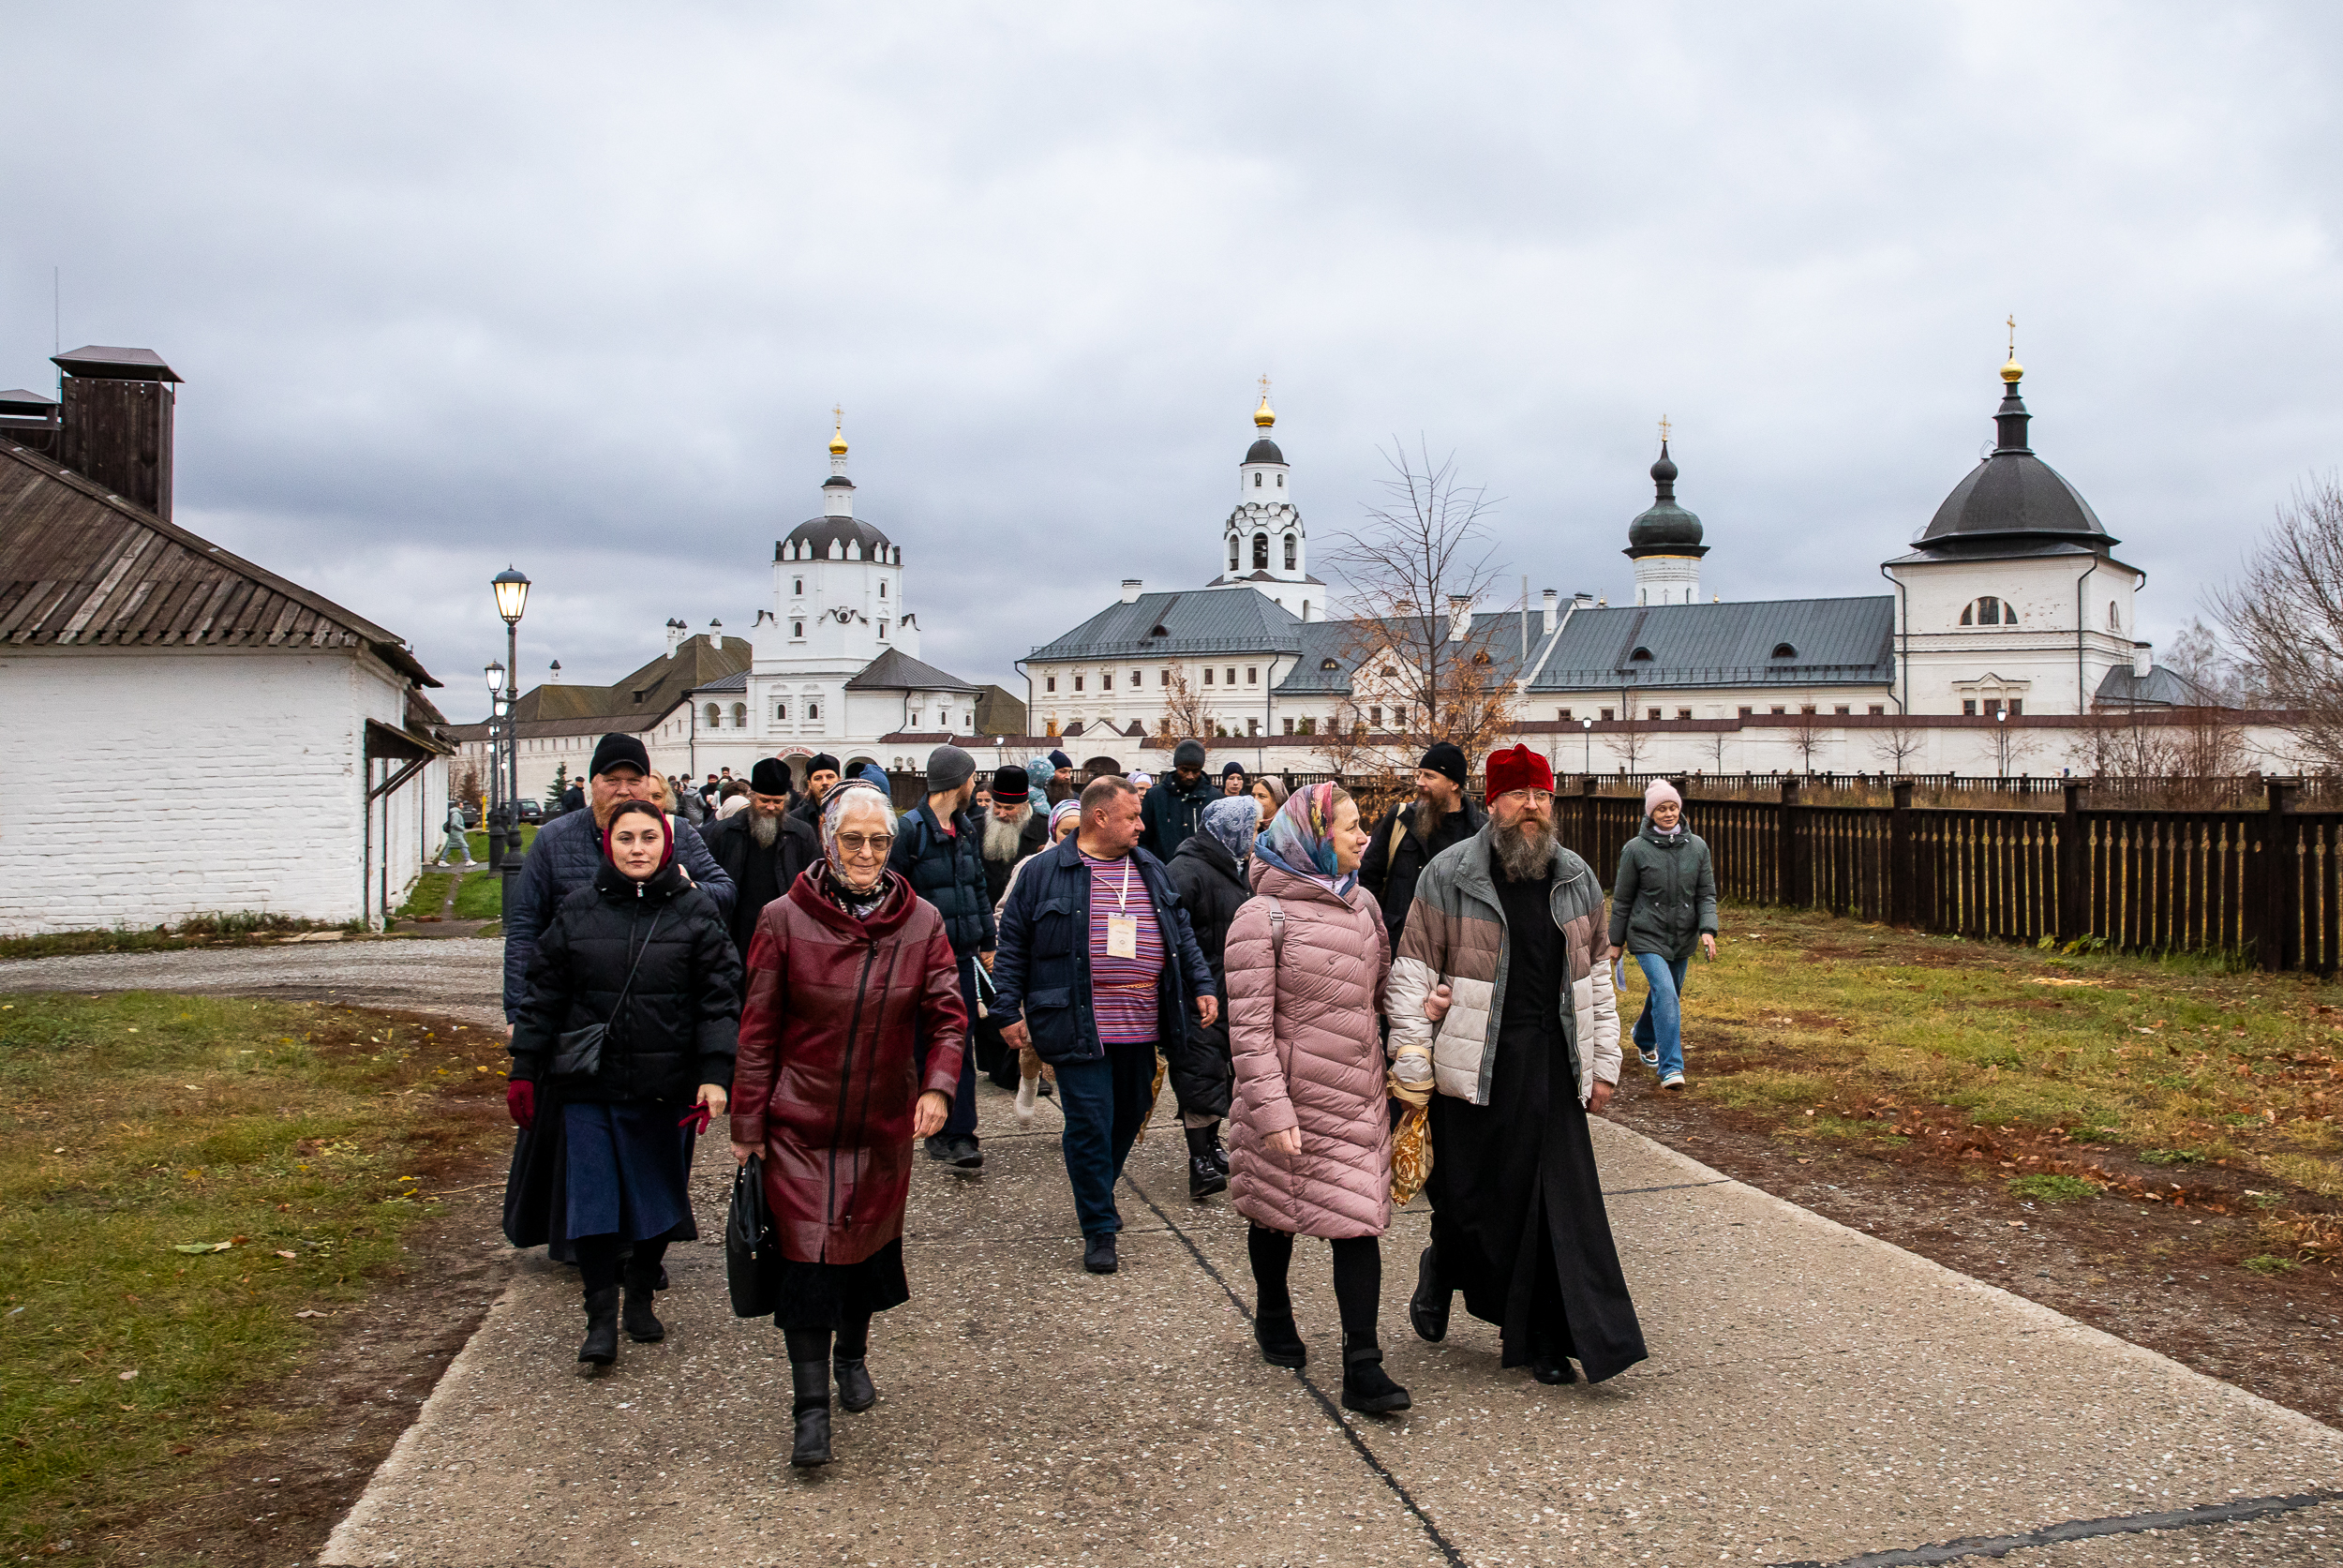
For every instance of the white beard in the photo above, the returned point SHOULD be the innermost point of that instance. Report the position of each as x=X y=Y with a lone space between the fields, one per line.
x=1000 y=838
x=764 y=829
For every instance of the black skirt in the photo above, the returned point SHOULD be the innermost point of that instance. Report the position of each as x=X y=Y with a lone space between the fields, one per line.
x=832 y=1295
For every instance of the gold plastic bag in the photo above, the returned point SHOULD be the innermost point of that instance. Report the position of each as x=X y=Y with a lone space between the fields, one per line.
x=1411 y=1156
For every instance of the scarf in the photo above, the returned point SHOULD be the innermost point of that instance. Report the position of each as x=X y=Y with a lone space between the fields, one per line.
x=832 y=876
x=1233 y=820
x=1300 y=839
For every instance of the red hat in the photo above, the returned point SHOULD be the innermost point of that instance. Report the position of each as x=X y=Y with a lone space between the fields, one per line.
x=1518 y=767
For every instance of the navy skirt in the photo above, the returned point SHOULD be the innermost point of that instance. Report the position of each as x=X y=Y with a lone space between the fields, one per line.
x=629 y=1170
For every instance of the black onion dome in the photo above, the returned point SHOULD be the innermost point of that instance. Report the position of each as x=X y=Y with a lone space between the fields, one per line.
x=1264 y=450
x=820 y=531
x=2013 y=494
x=1666 y=527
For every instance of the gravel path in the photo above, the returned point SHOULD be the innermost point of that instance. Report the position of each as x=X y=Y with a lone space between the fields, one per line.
x=460 y=976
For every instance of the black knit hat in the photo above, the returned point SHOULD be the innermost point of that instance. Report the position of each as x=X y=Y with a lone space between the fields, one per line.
x=821 y=762
x=1011 y=785
x=618 y=751
x=1188 y=753
x=1237 y=768
x=770 y=776
x=1444 y=757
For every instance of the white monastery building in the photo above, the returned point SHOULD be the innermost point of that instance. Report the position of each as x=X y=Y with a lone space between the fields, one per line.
x=207 y=737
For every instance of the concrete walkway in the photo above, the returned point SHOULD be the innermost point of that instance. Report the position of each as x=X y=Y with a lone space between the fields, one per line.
x=1814 y=1396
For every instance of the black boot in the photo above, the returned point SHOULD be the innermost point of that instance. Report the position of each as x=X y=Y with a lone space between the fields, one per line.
x=1205 y=1176
x=1281 y=1342
x=1219 y=1152
x=1427 y=1309
x=811 y=1409
x=601 y=1328
x=642 y=1326
x=1366 y=1387
x=856 y=1391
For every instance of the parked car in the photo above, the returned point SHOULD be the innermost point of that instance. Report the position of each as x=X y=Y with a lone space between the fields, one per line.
x=532 y=812
x=471 y=814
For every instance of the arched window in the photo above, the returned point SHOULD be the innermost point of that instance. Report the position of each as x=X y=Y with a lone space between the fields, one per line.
x=2115 y=616
x=1232 y=548
x=1260 y=552
x=715 y=716
x=882 y=588
x=796 y=585
x=1329 y=665
x=1989 y=611
x=1281 y=482
x=1641 y=656
x=780 y=712
x=796 y=628
x=812 y=710
x=1255 y=481
x=1783 y=651
x=881 y=631
x=1291 y=547
x=739 y=715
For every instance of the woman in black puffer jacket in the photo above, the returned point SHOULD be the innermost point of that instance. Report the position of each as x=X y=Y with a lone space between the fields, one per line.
x=602 y=1167
x=1209 y=872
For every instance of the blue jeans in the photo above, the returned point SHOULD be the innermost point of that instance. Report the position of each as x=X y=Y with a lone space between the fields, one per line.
x=1105 y=1103
x=1662 y=1018
x=960 y=1121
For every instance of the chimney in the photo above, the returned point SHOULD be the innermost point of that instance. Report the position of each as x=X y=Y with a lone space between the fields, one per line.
x=553 y=675
x=2143 y=660
x=28 y=419
x=716 y=635
x=1582 y=600
x=1459 y=615
x=1552 y=610
x=1131 y=589
x=675 y=635
x=116 y=422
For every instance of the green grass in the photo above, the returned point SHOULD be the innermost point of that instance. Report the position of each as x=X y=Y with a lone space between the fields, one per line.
x=241 y=926
x=134 y=1127
x=1869 y=1028
x=429 y=893
x=479 y=837
x=480 y=898
x=2052 y=1188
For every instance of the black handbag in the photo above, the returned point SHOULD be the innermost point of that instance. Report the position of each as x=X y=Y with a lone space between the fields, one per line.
x=577 y=1053
x=750 y=1251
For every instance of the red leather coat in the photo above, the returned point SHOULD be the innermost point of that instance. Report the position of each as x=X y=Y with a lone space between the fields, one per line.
x=825 y=1079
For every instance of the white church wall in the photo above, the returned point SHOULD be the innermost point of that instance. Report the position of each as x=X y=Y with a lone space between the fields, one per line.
x=183 y=782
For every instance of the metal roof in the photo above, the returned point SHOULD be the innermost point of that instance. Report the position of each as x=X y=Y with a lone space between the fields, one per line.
x=80 y=566
x=1218 y=621
x=821 y=533
x=2158 y=688
x=1343 y=643
x=1834 y=642
x=2012 y=493
x=897 y=671
x=99 y=362
x=20 y=401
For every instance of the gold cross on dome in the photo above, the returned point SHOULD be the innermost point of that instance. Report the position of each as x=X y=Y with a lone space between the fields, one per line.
x=1664 y=428
x=838 y=415
x=2013 y=337
x=1264 y=386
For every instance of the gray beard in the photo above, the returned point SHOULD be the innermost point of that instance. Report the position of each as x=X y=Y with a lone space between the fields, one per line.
x=764 y=829
x=1000 y=838
x=1425 y=817
x=1525 y=850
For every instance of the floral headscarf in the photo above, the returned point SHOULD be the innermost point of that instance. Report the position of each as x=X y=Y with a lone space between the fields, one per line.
x=1233 y=820
x=1063 y=810
x=845 y=793
x=1300 y=839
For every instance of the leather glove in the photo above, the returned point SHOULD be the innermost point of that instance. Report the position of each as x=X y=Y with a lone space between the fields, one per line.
x=520 y=1098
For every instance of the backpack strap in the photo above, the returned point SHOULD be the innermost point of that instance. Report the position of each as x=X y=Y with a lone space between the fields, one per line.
x=1277 y=928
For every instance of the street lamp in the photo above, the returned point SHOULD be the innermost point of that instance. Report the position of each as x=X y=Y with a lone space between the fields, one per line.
x=1587 y=725
x=2001 y=739
x=512 y=596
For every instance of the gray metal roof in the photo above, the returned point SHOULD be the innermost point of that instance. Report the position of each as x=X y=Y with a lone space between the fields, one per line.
x=18 y=400
x=1834 y=642
x=98 y=361
x=1343 y=643
x=1221 y=620
x=2158 y=688
x=897 y=671
x=2013 y=494
x=821 y=533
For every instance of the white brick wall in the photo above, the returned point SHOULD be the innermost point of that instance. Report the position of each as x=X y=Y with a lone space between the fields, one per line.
x=151 y=784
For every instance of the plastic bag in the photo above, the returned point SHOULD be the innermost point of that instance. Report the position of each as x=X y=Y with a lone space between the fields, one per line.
x=1411 y=1156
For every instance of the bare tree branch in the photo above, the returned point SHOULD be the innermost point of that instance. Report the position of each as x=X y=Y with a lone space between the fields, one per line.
x=2284 y=617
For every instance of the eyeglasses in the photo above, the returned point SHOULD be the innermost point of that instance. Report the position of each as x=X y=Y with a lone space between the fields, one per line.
x=865 y=843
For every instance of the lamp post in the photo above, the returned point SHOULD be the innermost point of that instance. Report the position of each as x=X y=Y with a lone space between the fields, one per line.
x=512 y=596
x=492 y=816
x=2001 y=739
x=1586 y=725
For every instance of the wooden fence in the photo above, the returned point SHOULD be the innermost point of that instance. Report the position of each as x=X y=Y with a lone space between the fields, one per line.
x=2262 y=884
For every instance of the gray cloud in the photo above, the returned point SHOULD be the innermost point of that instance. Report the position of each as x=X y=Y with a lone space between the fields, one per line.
x=576 y=287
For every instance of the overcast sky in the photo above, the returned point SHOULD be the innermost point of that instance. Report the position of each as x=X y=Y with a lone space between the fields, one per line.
x=576 y=286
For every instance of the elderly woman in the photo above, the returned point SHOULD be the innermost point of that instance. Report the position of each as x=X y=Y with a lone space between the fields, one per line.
x=602 y=1169
x=1307 y=962
x=1209 y=873
x=846 y=971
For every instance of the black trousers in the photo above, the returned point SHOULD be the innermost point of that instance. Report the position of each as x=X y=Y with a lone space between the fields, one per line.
x=1358 y=1277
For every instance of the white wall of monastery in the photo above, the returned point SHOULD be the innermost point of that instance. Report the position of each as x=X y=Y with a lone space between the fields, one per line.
x=181 y=781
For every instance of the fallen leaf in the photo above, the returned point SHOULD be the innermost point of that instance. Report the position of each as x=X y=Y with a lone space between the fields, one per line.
x=238 y=1241
x=203 y=1246
x=307 y=1313
x=282 y=1253
x=181 y=1448
x=126 y=1376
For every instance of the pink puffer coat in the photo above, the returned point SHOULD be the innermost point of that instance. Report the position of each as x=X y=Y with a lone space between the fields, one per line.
x=1303 y=1037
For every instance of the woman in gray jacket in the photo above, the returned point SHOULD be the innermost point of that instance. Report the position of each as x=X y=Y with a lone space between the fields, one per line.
x=1665 y=901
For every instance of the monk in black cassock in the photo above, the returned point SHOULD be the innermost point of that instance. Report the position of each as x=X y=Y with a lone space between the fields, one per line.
x=1507 y=931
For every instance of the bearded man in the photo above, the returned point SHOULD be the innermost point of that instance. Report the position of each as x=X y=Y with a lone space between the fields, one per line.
x=1441 y=815
x=1012 y=828
x=1507 y=939
x=762 y=848
x=567 y=852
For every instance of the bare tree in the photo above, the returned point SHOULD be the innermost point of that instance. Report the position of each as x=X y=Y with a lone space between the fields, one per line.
x=1631 y=742
x=2284 y=617
x=1186 y=716
x=1807 y=735
x=1423 y=667
x=1898 y=741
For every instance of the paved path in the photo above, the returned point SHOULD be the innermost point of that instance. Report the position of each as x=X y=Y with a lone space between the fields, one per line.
x=1815 y=1394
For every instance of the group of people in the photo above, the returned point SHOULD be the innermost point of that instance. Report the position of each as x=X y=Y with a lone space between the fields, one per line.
x=829 y=976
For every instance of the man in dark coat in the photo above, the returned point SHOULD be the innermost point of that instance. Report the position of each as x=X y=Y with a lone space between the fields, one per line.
x=1209 y=873
x=762 y=849
x=821 y=777
x=1408 y=836
x=1174 y=809
x=567 y=853
x=1098 y=966
x=1013 y=830
x=939 y=850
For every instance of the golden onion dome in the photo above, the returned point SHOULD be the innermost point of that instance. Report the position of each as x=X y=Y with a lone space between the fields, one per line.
x=2012 y=372
x=1265 y=416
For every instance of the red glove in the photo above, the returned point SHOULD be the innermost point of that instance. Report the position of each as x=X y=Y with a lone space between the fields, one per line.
x=520 y=1098
x=697 y=1118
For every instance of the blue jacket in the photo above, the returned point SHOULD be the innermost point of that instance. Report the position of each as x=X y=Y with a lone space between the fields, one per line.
x=565 y=856
x=1041 y=972
x=948 y=873
x=1173 y=815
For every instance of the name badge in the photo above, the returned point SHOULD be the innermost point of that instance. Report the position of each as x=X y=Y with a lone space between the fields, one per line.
x=1121 y=936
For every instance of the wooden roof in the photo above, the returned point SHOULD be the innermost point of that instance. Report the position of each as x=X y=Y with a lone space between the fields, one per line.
x=81 y=567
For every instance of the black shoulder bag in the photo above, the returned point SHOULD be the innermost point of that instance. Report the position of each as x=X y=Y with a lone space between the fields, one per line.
x=750 y=1249
x=577 y=1054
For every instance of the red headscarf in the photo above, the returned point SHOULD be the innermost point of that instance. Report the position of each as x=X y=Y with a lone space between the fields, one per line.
x=644 y=808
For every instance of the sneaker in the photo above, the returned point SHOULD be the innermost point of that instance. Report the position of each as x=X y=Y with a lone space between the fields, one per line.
x=1673 y=1080
x=1651 y=1054
x=1099 y=1253
x=965 y=1156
